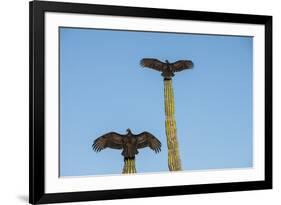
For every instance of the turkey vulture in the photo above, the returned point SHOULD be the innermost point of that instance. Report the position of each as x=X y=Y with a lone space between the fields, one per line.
x=129 y=143
x=166 y=68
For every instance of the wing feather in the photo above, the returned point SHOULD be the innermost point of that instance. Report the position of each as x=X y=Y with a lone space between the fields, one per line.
x=152 y=63
x=181 y=65
x=112 y=140
x=146 y=139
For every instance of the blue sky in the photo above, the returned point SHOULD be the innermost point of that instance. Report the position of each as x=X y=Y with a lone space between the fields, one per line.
x=103 y=88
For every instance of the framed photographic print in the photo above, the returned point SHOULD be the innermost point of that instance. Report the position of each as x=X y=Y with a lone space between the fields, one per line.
x=139 y=102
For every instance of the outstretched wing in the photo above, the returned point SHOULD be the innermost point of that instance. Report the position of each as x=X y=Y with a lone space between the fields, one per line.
x=146 y=139
x=112 y=140
x=152 y=63
x=181 y=65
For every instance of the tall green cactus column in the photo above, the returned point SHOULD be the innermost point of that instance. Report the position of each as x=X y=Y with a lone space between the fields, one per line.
x=129 y=166
x=174 y=161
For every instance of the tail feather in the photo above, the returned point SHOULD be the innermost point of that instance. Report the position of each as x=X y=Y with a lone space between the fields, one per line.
x=129 y=153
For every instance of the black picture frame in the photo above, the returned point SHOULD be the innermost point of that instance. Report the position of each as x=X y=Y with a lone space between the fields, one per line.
x=37 y=10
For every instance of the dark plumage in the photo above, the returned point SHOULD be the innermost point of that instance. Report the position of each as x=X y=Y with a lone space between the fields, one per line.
x=166 y=68
x=130 y=143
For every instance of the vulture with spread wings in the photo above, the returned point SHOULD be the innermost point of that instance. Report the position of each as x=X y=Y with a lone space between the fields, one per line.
x=166 y=68
x=129 y=143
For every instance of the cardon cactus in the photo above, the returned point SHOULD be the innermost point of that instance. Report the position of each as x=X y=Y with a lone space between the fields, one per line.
x=174 y=162
x=129 y=166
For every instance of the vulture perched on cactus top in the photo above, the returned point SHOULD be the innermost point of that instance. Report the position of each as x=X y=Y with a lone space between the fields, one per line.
x=129 y=143
x=166 y=68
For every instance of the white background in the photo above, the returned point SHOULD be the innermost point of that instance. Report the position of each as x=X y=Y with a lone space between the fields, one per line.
x=14 y=100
